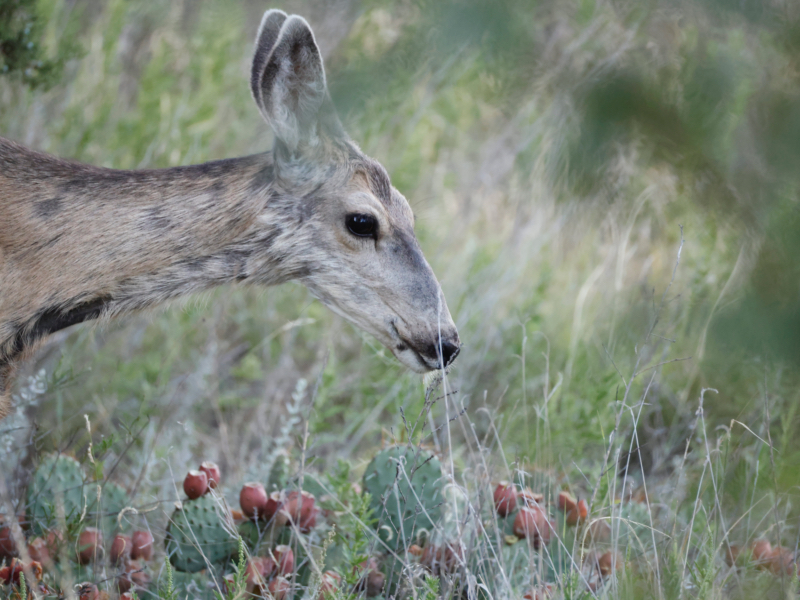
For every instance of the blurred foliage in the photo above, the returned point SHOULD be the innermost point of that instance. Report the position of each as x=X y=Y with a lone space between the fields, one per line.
x=23 y=49
x=708 y=89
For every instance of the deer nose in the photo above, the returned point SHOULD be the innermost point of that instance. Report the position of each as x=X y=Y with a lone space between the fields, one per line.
x=450 y=350
x=444 y=350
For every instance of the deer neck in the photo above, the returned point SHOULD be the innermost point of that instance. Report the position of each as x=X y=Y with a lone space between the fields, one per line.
x=107 y=242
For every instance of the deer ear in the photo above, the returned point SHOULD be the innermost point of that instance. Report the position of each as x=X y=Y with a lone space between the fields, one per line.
x=288 y=80
x=267 y=35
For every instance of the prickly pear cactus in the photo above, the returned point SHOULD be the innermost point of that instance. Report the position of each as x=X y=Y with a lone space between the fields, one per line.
x=192 y=586
x=257 y=535
x=58 y=481
x=103 y=514
x=279 y=474
x=406 y=488
x=199 y=533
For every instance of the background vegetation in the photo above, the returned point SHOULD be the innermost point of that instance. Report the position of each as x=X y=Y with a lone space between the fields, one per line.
x=608 y=191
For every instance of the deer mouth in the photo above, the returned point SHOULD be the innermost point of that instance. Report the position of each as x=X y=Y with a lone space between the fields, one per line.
x=421 y=359
x=407 y=354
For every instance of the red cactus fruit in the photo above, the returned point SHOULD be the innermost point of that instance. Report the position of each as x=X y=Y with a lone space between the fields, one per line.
x=35 y=569
x=139 y=575
x=372 y=580
x=90 y=545
x=609 y=562
x=195 y=484
x=269 y=568
x=274 y=509
x=762 y=553
x=300 y=506
x=305 y=525
x=578 y=513
x=528 y=497
x=781 y=561
x=142 y=545
x=284 y=557
x=213 y=474
x=259 y=571
x=415 y=550
x=120 y=548
x=566 y=501
x=135 y=577
x=533 y=524
x=430 y=557
x=124 y=583
x=365 y=566
x=10 y=573
x=8 y=548
x=45 y=550
x=88 y=591
x=279 y=588
x=329 y=584
x=39 y=551
x=376 y=581
x=253 y=500
x=732 y=554
x=441 y=560
x=505 y=499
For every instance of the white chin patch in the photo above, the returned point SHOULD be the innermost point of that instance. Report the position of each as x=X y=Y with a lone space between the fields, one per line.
x=431 y=378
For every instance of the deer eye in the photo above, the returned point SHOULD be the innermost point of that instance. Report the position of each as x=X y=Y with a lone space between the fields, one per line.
x=362 y=225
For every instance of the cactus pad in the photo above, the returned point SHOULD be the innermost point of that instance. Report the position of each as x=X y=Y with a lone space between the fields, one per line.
x=191 y=586
x=113 y=499
x=199 y=533
x=58 y=481
x=406 y=488
x=279 y=474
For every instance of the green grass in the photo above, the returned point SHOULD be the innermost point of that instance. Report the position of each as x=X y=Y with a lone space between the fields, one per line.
x=552 y=208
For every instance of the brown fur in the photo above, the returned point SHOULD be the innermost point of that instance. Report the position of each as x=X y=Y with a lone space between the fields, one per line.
x=79 y=242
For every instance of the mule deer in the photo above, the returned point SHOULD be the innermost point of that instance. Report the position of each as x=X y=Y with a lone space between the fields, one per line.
x=79 y=242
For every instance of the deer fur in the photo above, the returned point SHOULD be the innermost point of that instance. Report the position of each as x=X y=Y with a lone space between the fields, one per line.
x=80 y=243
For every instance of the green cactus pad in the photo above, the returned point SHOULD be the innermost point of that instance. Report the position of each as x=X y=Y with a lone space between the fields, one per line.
x=279 y=474
x=198 y=535
x=79 y=573
x=190 y=586
x=257 y=535
x=58 y=481
x=113 y=499
x=406 y=488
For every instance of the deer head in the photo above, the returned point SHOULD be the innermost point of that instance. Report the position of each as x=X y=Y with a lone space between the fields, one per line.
x=356 y=231
x=79 y=242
